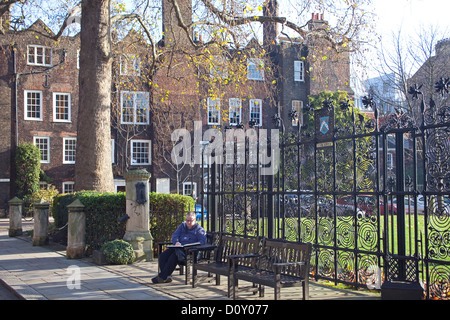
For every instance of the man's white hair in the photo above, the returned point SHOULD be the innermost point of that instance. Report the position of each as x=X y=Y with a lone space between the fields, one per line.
x=191 y=214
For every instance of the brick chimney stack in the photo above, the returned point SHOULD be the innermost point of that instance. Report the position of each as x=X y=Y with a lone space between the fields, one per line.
x=317 y=21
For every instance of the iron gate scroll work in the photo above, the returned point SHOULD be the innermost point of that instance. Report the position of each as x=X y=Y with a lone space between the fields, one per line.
x=371 y=194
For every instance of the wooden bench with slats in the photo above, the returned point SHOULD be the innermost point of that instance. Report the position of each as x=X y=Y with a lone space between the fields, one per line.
x=218 y=264
x=281 y=264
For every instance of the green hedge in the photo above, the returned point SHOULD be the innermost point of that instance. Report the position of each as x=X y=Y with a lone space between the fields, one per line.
x=167 y=211
x=102 y=211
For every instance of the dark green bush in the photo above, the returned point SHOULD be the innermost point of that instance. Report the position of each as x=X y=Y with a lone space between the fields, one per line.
x=102 y=211
x=167 y=211
x=118 y=252
x=28 y=168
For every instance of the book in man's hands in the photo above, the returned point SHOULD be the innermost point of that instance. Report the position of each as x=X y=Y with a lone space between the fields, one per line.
x=184 y=245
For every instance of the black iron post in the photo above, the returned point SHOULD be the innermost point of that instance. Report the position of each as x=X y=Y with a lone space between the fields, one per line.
x=214 y=198
x=400 y=176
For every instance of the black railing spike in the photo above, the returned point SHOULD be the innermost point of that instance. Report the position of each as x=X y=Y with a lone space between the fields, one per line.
x=415 y=91
x=442 y=86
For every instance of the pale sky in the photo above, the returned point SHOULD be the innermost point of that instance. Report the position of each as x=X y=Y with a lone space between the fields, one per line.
x=411 y=14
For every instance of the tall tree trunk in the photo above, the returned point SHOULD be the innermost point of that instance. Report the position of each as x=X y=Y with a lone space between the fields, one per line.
x=93 y=169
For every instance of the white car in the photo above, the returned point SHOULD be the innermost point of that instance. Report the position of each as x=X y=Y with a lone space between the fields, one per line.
x=409 y=204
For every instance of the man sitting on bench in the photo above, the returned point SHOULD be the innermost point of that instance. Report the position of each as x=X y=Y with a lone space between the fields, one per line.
x=187 y=232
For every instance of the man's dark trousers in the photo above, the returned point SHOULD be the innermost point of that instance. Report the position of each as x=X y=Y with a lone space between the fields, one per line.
x=168 y=261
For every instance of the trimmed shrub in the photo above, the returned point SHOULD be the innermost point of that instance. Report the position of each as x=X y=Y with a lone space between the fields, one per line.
x=118 y=252
x=102 y=211
x=167 y=211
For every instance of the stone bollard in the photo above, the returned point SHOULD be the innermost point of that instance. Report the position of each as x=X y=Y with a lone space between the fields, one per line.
x=15 y=217
x=40 y=233
x=137 y=208
x=76 y=230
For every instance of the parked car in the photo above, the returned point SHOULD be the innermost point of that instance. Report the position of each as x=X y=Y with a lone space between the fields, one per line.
x=392 y=207
x=367 y=204
x=409 y=205
x=326 y=209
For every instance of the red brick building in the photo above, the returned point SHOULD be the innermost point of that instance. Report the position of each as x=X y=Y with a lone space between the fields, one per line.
x=39 y=100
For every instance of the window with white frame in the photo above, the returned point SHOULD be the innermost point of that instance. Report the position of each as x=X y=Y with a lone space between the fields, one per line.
x=62 y=107
x=39 y=55
x=255 y=106
x=68 y=187
x=130 y=65
x=213 y=111
x=69 y=152
x=163 y=185
x=188 y=187
x=297 y=107
x=43 y=144
x=140 y=152
x=235 y=108
x=299 y=74
x=255 y=69
x=33 y=105
x=135 y=107
x=120 y=185
x=43 y=185
x=390 y=143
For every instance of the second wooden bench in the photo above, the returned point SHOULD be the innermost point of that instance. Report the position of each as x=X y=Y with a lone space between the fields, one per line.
x=219 y=263
x=281 y=264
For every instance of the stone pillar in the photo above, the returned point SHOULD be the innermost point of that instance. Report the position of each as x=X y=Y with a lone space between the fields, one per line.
x=40 y=233
x=76 y=230
x=15 y=217
x=137 y=208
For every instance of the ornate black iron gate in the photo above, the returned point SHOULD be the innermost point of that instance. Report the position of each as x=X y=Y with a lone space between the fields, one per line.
x=372 y=194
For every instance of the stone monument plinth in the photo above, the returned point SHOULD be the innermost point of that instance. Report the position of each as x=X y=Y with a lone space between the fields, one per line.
x=137 y=208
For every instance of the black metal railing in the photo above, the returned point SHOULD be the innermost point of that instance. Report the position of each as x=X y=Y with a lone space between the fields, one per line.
x=372 y=196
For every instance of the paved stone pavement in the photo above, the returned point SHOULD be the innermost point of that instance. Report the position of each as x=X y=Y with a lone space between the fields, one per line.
x=44 y=273
x=6 y=293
